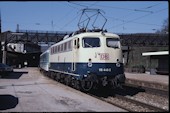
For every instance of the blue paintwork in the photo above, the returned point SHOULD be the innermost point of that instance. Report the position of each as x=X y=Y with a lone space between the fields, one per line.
x=83 y=69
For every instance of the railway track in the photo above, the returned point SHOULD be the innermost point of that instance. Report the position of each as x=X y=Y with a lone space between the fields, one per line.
x=120 y=98
x=147 y=84
x=160 y=92
x=129 y=104
x=132 y=105
x=136 y=99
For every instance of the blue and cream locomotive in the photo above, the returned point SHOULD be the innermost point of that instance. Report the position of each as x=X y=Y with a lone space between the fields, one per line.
x=86 y=60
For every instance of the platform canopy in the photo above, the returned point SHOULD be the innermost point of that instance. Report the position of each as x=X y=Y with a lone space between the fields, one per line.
x=155 y=53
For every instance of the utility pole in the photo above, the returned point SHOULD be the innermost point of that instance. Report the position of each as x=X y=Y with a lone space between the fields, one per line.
x=17 y=28
x=0 y=23
x=52 y=25
x=4 y=52
x=4 y=44
x=4 y=48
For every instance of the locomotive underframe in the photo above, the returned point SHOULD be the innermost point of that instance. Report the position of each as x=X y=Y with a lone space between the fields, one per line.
x=88 y=83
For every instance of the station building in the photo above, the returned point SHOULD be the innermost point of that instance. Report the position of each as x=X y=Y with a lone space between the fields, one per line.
x=158 y=62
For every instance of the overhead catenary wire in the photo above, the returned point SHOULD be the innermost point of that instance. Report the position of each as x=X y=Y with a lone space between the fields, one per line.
x=76 y=15
x=138 y=10
x=90 y=5
x=151 y=6
x=147 y=7
x=69 y=22
x=74 y=6
x=78 y=4
x=65 y=16
x=138 y=18
x=118 y=19
x=124 y=21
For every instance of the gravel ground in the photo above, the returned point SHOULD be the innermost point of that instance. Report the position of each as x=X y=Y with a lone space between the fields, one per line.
x=155 y=100
x=128 y=105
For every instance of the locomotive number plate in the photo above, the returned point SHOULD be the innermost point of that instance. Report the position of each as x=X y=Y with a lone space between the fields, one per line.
x=105 y=69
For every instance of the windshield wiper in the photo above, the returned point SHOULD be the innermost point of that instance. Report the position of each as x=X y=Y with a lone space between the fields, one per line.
x=88 y=45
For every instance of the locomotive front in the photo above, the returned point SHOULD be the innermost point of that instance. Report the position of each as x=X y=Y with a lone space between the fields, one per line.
x=102 y=62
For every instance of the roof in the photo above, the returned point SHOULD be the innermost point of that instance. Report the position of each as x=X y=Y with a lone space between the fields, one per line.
x=155 y=53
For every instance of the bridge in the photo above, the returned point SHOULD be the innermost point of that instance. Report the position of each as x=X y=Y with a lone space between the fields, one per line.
x=31 y=36
x=29 y=44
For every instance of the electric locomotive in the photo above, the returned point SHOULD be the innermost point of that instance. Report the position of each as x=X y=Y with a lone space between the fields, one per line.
x=87 y=60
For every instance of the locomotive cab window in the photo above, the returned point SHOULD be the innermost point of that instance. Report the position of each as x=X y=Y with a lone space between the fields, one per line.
x=113 y=42
x=89 y=42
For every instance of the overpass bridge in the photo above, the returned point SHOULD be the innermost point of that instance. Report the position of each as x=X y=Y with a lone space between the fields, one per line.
x=32 y=36
x=29 y=44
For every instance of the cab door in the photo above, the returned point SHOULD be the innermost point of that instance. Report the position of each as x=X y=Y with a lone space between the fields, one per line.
x=75 y=53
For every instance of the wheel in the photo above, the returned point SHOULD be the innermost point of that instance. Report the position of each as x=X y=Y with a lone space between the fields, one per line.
x=62 y=78
x=57 y=78
x=52 y=75
x=67 y=80
x=86 y=85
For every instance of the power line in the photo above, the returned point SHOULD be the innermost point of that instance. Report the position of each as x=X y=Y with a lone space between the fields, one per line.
x=132 y=22
x=93 y=4
x=139 y=18
x=78 y=4
x=72 y=6
x=65 y=16
x=76 y=16
x=124 y=22
x=150 y=6
x=139 y=10
x=69 y=22
x=25 y=23
x=90 y=5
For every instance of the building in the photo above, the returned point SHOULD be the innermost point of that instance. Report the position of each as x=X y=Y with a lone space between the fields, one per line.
x=158 y=62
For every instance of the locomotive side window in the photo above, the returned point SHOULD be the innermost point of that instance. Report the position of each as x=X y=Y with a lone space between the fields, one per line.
x=69 y=45
x=78 y=43
x=55 y=49
x=75 y=44
x=51 y=51
x=89 y=42
x=65 y=46
x=61 y=47
x=113 y=42
x=58 y=48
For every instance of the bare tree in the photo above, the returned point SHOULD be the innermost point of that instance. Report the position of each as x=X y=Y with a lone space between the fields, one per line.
x=165 y=27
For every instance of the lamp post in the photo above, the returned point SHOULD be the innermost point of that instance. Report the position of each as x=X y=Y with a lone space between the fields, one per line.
x=4 y=44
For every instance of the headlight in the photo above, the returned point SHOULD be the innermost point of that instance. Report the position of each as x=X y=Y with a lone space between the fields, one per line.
x=89 y=63
x=118 y=63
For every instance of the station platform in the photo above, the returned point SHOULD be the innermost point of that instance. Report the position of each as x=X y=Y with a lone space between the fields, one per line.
x=147 y=80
